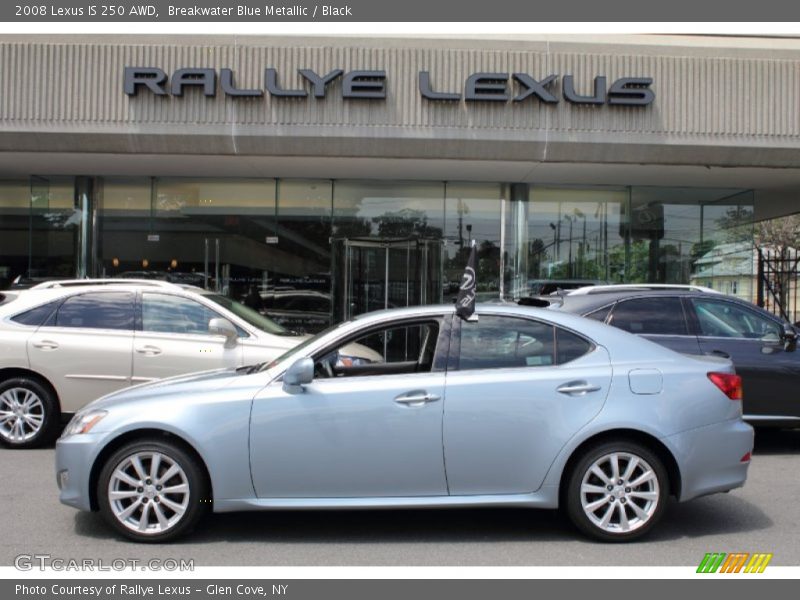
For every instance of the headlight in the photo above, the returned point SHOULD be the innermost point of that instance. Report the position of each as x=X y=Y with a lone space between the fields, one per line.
x=83 y=422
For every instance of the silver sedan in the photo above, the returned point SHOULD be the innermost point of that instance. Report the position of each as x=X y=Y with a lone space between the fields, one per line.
x=517 y=407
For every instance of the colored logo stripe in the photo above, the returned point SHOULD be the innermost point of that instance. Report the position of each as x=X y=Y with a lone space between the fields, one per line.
x=758 y=563
x=711 y=562
x=734 y=562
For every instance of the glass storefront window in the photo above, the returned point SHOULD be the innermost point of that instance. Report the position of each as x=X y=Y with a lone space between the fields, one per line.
x=473 y=211
x=295 y=291
x=308 y=253
x=388 y=209
x=211 y=233
x=576 y=235
x=39 y=226
x=387 y=245
x=683 y=235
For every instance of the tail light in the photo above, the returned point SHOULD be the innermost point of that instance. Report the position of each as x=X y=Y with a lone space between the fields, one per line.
x=730 y=384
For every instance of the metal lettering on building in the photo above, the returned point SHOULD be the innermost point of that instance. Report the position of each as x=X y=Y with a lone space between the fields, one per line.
x=372 y=85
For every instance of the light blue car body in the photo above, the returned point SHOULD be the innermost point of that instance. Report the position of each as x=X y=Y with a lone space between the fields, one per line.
x=495 y=436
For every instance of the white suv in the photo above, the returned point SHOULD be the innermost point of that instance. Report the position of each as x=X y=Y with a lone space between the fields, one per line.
x=65 y=343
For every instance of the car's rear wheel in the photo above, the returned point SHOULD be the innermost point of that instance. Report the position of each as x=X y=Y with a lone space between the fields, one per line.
x=617 y=491
x=29 y=413
x=152 y=491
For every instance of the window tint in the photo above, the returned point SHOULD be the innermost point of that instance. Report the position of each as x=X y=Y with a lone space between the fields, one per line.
x=102 y=310
x=656 y=315
x=36 y=316
x=390 y=351
x=570 y=346
x=496 y=342
x=173 y=314
x=726 y=319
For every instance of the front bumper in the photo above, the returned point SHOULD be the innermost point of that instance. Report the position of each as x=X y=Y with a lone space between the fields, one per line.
x=75 y=456
x=710 y=458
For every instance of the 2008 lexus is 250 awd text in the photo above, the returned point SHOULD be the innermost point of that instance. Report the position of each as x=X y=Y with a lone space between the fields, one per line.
x=517 y=406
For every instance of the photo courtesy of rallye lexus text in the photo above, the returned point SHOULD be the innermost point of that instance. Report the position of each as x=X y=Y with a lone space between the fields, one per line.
x=510 y=406
x=101 y=591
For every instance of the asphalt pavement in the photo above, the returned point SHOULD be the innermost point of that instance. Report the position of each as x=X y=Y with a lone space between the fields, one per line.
x=764 y=516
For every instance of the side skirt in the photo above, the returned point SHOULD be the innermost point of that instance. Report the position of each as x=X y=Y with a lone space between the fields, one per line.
x=545 y=497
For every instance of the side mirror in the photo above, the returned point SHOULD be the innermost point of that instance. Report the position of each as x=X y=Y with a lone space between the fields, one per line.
x=300 y=373
x=223 y=327
x=789 y=337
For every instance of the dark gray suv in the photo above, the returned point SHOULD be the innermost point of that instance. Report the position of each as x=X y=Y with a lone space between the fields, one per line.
x=692 y=321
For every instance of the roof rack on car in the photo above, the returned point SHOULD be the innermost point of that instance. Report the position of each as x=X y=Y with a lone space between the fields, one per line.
x=81 y=282
x=622 y=287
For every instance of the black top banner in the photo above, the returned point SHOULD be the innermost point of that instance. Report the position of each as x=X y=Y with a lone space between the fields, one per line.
x=353 y=11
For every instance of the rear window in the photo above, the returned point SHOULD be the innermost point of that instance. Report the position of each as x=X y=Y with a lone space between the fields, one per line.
x=600 y=314
x=36 y=316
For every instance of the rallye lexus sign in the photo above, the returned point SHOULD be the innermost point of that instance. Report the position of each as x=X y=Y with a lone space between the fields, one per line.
x=372 y=85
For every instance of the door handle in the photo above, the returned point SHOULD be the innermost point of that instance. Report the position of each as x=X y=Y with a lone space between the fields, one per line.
x=577 y=388
x=46 y=344
x=719 y=353
x=149 y=350
x=416 y=398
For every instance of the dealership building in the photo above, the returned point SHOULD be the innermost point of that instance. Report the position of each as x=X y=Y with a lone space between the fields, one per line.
x=336 y=175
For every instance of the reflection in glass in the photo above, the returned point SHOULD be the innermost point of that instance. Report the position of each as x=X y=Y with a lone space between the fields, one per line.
x=295 y=291
x=683 y=235
x=204 y=232
x=38 y=229
x=473 y=212
x=576 y=234
x=387 y=245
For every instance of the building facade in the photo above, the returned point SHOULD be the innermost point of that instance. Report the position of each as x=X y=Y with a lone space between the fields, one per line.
x=319 y=178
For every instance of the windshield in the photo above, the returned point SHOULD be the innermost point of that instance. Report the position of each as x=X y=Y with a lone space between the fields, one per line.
x=248 y=314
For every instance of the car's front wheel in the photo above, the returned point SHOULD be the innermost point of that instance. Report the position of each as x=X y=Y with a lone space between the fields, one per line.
x=152 y=491
x=29 y=413
x=617 y=491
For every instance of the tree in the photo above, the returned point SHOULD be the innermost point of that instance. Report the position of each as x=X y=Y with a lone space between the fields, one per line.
x=781 y=233
x=736 y=224
x=406 y=223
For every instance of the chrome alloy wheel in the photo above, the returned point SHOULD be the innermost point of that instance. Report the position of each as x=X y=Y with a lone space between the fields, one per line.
x=21 y=414
x=619 y=492
x=148 y=492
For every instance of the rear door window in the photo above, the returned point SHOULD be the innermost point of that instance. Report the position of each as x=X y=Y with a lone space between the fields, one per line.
x=101 y=310
x=656 y=315
x=499 y=342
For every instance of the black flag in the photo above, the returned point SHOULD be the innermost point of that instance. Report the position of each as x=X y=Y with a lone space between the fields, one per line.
x=465 y=303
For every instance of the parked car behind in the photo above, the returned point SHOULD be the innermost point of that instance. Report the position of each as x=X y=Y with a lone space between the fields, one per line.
x=522 y=407
x=66 y=343
x=306 y=311
x=696 y=320
x=543 y=287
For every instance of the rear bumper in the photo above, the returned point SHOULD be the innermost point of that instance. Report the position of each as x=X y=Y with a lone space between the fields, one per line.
x=710 y=458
